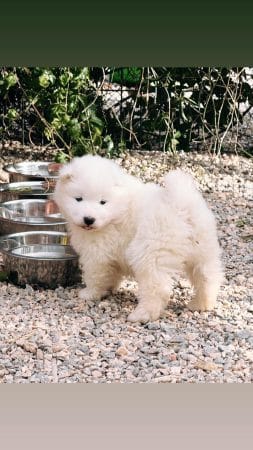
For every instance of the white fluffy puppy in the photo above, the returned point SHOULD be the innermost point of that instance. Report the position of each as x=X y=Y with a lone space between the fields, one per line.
x=120 y=226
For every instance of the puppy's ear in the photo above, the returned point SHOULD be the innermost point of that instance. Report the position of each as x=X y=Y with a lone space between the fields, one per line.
x=65 y=173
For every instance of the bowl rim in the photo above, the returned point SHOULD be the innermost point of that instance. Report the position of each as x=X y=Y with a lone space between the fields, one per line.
x=61 y=221
x=6 y=187
x=51 y=233
x=10 y=168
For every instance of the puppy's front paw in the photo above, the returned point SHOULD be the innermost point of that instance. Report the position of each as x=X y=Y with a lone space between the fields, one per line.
x=87 y=294
x=197 y=305
x=140 y=314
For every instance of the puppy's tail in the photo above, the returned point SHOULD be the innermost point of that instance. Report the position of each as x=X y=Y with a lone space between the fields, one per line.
x=183 y=194
x=182 y=190
x=180 y=185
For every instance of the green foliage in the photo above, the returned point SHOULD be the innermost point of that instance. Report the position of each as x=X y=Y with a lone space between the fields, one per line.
x=162 y=107
x=60 y=105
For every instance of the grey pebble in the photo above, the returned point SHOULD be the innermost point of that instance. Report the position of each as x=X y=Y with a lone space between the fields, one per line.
x=153 y=326
x=176 y=339
x=244 y=334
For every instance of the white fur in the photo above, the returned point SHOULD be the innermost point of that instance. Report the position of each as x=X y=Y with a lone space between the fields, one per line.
x=144 y=230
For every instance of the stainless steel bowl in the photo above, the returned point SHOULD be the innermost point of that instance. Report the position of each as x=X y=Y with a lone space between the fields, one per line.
x=30 y=215
x=40 y=258
x=26 y=189
x=32 y=171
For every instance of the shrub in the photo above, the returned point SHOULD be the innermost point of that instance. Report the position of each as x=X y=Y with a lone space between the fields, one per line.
x=56 y=102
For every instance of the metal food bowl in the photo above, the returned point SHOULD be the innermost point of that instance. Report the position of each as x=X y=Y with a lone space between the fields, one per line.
x=40 y=259
x=30 y=215
x=26 y=189
x=32 y=171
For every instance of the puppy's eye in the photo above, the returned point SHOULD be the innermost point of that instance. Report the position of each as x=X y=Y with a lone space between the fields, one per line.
x=102 y=202
x=79 y=199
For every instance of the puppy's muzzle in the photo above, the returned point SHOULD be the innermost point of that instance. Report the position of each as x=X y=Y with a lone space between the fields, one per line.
x=89 y=221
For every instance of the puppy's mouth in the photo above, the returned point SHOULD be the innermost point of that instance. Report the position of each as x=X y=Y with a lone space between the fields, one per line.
x=88 y=228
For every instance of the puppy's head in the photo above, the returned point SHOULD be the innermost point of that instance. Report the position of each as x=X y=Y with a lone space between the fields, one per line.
x=92 y=192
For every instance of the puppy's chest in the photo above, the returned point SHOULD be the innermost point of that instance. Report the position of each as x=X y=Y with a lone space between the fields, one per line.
x=116 y=256
x=110 y=251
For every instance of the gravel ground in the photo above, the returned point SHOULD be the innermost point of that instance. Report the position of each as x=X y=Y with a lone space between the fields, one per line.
x=49 y=336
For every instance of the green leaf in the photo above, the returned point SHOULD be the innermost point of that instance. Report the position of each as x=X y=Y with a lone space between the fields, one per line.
x=56 y=123
x=109 y=143
x=96 y=121
x=48 y=133
x=46 y=78
x=61 y=157
x=12 y=114
x=11 y=80
x=74 y=129
x=65 y=78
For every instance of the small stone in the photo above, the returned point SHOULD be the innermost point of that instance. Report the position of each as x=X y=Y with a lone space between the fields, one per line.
x=4 y=350
x=219 y=361
x=58 y=347
x=175 y=370
x=3 y=371
x=244 y=334
x=153 y=326
x=79 y=352
x=167 y=328
x=206 y=366
x=9 y=378
x=221 y=348
x=132 y=329
x=96 y=373
x=163 y=379
x=27 y=346
x=26 y=373
x=121 y=351
x=40 y=354
x=176 y=340
x=240 y=279
x=172 y=357
x=148 y=339
x=188 y=357
x=249 y=355
x=62 y=355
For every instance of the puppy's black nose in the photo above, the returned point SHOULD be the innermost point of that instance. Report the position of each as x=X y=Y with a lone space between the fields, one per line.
x=88 y=220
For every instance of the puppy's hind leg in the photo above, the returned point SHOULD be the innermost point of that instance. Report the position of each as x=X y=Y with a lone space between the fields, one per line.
x=153 y=298
x=206 y=278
